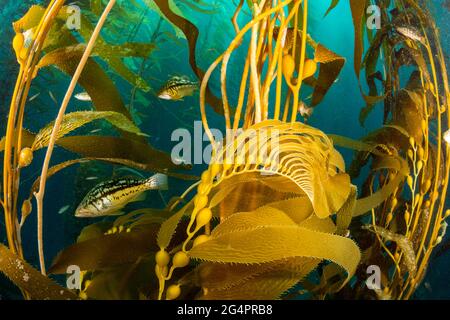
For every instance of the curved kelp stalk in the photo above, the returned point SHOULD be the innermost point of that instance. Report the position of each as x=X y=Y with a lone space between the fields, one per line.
x=28 y=57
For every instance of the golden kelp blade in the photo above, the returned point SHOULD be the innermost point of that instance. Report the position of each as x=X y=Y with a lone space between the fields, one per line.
x=74 y=120
x=29 y=279
x=269 y=235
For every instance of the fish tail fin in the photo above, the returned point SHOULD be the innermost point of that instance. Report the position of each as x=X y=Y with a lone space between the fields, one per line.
x=158 y=181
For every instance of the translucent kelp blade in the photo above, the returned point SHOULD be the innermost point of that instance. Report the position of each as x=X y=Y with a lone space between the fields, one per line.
x=409 y=114
x=223 y=276
x=261 y=282
x=333 y=5
x=139 y=155
x=123 y=282
x=113 y=54
x=74 y=120
x=107 y=250
x=358 y=8
x=255 y=194
x=30 y=280
x=169 y=226
x=345 y=214
x=364 y=205
x=170 y=5
x=331 y=65
x=255 y=238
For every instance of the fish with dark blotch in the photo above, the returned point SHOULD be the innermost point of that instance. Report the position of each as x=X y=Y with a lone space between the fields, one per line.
x=109 y=197
x=176 y=88
x=411 y=33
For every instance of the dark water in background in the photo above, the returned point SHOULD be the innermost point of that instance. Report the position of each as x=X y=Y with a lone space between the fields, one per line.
x=337 y=114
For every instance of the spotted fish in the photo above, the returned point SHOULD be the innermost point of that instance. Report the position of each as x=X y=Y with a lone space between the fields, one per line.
x=411 y=33
x=109 y=197
x=177 y=88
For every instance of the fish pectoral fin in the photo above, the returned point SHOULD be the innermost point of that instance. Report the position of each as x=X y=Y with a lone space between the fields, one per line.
x=139 y=197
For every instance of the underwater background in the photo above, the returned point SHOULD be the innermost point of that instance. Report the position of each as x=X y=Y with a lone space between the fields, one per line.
x=337 y=114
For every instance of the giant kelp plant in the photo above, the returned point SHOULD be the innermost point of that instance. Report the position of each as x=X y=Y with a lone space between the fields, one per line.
x=276 y=214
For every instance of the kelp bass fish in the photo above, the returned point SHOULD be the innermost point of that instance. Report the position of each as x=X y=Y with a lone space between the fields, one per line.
x=177 y=88
x=109 y=197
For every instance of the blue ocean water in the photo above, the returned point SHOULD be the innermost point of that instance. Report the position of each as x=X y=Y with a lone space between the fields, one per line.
x=337 y=114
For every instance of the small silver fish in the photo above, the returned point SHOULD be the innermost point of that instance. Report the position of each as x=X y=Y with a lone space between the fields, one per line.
x=63 y=209
x=447 y=136
x=109 y=197
x=28 y=38
x=177 y=88
x=91 y=178
x=52 y=97
x=304 y=110
x=83 y=96
x=34 y=97
x=411 y=33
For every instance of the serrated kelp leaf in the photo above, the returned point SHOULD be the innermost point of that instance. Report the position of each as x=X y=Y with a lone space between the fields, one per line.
x=139 y=155
x=358 y=8
x=107 y=250
x=254 y=238
x=74 y=120
x=331 y=65
x=168 y=228
x=298 y=209
x=345 y=214
x=364 y=205
x=335 y=191
x=262 y=217
x=259 y=282
x=30 y=280
x=303 y=156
